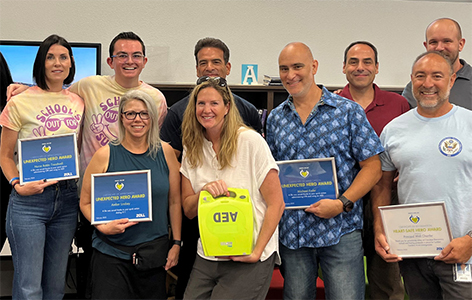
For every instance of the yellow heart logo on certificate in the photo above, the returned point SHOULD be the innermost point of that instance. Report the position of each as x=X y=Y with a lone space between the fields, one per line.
x=414 y=220
x=119 y=186
x=304 y=173
x=46 y=149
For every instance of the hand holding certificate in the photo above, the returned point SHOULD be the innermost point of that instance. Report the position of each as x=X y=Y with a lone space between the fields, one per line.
x=307 y=181
x=416 y=230
x=49 y=157
x=119 y=195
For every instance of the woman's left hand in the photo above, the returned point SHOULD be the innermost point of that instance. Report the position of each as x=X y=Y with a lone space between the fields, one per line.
x=172 y=257
x=252 y=258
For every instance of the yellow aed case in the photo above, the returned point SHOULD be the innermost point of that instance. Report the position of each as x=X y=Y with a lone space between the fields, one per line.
x=226 y=223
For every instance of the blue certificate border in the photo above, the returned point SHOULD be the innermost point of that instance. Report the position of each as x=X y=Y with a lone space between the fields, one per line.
x=50 y=157
x=307 y=181
x=118 y=195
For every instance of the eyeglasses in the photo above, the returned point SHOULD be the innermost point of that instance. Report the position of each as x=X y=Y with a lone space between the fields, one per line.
x=131 y=115
x=218 y=80
x=137 y=57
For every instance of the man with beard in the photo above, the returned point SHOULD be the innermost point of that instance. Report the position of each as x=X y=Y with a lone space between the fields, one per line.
x=445 y=35
x=434 y=136
x=360 y=66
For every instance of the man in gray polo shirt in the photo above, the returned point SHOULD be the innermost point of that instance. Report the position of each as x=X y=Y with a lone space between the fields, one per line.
x=445 y=35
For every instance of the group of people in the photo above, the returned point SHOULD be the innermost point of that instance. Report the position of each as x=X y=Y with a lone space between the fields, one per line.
x=372 y=134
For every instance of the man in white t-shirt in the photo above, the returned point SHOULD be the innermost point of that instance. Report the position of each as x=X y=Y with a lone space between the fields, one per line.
x=431 y=147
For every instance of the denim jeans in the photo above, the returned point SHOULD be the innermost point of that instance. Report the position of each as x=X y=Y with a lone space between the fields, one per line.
x=40 y=229
x=342 y=266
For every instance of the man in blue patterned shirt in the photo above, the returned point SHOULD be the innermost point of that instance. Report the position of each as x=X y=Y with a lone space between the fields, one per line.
x=314 y=123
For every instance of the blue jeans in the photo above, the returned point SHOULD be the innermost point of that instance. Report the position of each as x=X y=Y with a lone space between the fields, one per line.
x=40 y=229
x=342 y=266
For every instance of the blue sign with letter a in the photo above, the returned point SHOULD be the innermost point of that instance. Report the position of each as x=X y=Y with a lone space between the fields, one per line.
x=249 y=74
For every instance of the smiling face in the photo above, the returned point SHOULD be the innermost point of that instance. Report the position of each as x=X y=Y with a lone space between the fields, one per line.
x=211 y=63
x=211 y=110
x=127 y=70
x=444 y=36
x=57 y=66
x=137 y=127
x=296 y=69
x=431 y=82
x=360 y=67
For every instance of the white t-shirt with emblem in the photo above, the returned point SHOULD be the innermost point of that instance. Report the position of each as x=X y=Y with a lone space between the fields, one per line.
x=434 y=160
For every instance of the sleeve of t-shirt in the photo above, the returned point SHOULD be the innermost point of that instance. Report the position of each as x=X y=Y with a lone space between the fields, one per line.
x=262 y=159
x=385 y=159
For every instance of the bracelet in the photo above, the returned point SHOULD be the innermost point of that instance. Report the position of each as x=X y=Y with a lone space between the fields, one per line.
x=13 y=179
x=13 y=186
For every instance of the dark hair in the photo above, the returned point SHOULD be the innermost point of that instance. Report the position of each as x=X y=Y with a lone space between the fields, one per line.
x=39 y=66
x=448 y=61
x=363 y=43
x=210 y=42
x=5 y=81
x=129 y=35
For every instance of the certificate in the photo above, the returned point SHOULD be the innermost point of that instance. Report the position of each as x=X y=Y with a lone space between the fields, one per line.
x=50 y=157
x=307 y=181
x=118 y=195
x=416 y=230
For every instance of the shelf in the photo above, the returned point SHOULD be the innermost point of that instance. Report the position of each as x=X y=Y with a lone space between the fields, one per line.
x=262 y=96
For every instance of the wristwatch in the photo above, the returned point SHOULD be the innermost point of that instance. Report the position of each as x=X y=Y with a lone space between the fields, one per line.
x=348 y=205
x=178 y=242
x=469 y=233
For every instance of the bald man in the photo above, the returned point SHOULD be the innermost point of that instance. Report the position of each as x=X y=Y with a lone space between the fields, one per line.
x=315 y=123
x=445 y=36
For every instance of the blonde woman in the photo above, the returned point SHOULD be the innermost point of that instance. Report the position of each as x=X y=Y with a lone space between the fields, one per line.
x=221 y=152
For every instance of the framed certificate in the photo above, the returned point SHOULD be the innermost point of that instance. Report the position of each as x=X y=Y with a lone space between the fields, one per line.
x=307 y=181
x=50 y=157
x=416 y=230
x=118 y=195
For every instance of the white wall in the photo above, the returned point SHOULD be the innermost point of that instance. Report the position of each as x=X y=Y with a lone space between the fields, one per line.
x=255 y=31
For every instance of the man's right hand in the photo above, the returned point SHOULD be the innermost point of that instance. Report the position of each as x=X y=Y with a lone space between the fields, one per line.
x=15 y=89
x=382 y=248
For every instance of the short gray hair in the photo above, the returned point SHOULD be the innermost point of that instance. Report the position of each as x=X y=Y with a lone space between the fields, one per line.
x=153 y=139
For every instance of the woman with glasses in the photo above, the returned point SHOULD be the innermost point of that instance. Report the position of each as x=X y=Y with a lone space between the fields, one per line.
x=41 y=215
x=220 y=152
x=138 y=147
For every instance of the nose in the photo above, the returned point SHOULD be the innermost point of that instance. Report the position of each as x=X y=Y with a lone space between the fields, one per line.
x=206 y=108
x=210 y=66
x=440 y=46
x=291 y=73
x=428 y=82
x=129 y=59
x=360 y=67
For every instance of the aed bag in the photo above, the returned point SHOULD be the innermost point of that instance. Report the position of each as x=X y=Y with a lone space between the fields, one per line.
x=226 y=224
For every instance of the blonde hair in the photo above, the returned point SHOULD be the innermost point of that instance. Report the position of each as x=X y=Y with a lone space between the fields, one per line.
x=193 y=131
x=153 y=139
